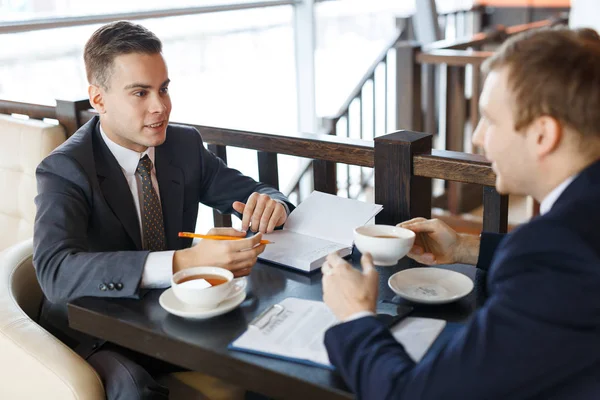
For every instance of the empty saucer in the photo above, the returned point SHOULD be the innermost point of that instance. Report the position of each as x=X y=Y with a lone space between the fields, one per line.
x=430 y=285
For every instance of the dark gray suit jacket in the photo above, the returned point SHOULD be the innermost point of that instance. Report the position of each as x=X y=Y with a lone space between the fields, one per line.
x=87 y=239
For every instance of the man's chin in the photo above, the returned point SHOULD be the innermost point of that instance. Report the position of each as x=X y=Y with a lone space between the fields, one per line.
x=156 y=139
x=501 y=187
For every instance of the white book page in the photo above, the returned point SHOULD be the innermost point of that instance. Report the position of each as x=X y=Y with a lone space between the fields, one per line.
x=297 y=330
x=330 y=217
x=417 y=334
x=296 y=250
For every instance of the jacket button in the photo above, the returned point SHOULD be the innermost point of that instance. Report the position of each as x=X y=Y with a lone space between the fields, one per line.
x=111 y=286
x=119 y=286
x=102 y=287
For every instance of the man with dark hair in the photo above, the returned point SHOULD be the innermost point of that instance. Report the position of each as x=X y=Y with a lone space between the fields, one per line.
x=537 y=335
x=114 y=197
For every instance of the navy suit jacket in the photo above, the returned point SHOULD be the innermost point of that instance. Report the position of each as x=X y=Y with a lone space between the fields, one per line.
x=536 y=336
x=87 y=239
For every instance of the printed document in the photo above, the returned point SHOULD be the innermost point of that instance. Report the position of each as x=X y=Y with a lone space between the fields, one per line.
x=295 y=330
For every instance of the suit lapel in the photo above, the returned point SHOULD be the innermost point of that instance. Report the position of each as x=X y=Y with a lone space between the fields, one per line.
x=115 y=189
x=170 y=183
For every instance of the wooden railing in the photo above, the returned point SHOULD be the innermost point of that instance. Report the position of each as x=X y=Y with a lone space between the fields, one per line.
x=403 y=161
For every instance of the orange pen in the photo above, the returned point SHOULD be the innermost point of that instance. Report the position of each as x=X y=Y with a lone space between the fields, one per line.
x=215 y=237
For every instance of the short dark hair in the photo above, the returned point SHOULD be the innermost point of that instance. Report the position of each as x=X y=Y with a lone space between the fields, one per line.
x=112 y=40
x=553 y=72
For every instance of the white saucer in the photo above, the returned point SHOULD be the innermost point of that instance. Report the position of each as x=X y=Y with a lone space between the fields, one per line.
x=430 y=285
x=172 y=304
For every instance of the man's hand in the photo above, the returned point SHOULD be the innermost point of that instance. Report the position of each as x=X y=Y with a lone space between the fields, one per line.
x=437 y=243
x=238 y=256
x=261 y=213
x=346 y=290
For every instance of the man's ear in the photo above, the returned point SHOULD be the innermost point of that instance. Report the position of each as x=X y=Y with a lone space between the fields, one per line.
x=95 y=94
x=547 y=134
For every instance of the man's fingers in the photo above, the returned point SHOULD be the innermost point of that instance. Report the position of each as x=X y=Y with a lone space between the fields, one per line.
x=278 y=213
x=326 y=268
x=245 y=244
x=238 y=206
x=242 y=272
x=336 y=261
x=426 y=258
x=259 y=208
x=411 y=221
x=248 y=254
x=423 y=226
x=248 y=211
x=416 y=250
x=266 y=216
x=367 y=263
x=226 y=232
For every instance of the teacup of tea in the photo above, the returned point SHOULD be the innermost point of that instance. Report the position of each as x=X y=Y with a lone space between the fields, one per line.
x=204 y=287
x=386 y=243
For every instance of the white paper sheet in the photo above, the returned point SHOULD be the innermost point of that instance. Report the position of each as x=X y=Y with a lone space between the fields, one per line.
x=300 y=251
x=330 y=217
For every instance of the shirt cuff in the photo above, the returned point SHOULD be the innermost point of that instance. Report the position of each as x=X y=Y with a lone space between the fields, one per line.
x=360 y=314
x=158 y=270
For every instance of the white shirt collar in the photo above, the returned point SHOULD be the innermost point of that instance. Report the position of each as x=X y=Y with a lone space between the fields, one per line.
x=127 y=159
x=551 y=198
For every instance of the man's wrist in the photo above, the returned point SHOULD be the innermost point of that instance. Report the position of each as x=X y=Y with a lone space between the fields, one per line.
x=181 y=260
x=358 y=314
x=467 y=249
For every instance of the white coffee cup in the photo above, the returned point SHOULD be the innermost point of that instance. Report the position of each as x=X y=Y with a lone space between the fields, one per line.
x=205 y=297
x=386 y=243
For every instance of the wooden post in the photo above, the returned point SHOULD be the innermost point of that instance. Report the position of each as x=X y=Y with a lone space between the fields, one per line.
x=67 y=114
x=267 y=169
x=220 y=220
x=402 y=195
x=325 y=172
x=495 y=211
x=409 y=114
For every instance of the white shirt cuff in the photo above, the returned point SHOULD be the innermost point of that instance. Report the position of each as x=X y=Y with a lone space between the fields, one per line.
x=158 y=270
x=358 y=315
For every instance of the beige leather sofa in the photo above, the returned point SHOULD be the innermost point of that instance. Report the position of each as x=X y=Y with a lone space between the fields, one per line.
x=24 y=144
x=35 y=365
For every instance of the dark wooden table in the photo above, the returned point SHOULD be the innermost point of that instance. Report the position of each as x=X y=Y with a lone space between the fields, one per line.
x=143 y=326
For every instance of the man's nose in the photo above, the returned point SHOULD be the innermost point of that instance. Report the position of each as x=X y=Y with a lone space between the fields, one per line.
x=478 y=134
x=158 y=104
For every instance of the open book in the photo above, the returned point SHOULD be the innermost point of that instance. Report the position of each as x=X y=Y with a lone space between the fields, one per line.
x=321 y=224
x=295 y=328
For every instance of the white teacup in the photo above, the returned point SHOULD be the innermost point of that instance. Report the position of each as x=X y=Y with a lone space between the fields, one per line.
x=188 y=290
x=386 y=243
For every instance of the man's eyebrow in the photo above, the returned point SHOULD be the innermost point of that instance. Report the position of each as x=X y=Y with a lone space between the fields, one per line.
x=137 y=86
x=144 y=86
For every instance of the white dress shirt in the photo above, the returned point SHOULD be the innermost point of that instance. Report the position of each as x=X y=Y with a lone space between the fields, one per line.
x=551 y=197
x=158 y=268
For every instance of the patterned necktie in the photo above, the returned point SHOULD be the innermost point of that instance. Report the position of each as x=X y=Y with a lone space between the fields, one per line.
x=152 y=218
